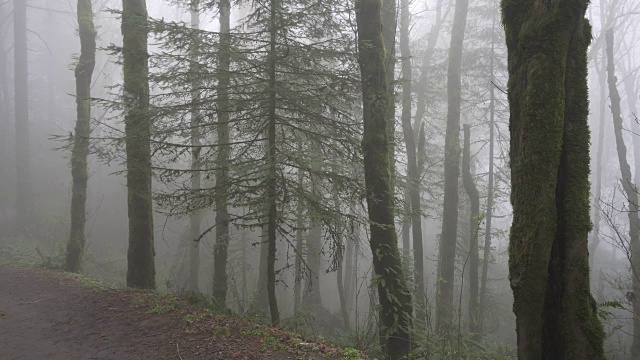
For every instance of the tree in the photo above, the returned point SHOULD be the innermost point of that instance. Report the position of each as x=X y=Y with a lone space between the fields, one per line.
x=80 y=151
x=195 y=218
x=448 y=241
x=474 y=225
x=221 y=247
x=140 y=257
x=490 y=190
x=413 y=175
x=548 y=257
x=24 y=200
x=629 y=188
x=394 y=297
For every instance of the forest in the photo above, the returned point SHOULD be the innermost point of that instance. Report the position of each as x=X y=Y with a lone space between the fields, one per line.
x=385 y=179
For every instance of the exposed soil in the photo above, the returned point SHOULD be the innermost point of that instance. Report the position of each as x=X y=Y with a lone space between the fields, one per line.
x=46 y=314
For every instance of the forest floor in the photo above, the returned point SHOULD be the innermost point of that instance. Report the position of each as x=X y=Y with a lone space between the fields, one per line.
x=47 y=314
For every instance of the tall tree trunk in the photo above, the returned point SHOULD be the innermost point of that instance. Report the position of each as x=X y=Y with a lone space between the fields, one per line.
x=389 y=28
x=629 y=189
x=297 y=284
x=348 y=267
x=340 y=253
x=195 y=218
x=261 y=300
x=272 y=189
x=312 y=299
x=489 y=215
x=80 y=151
x=221 y=247
x=451 y=169
x=24 y=195
x=548 y=259
x=474 y=224
x=140 y=257
x=413 y=177
x=394 y=297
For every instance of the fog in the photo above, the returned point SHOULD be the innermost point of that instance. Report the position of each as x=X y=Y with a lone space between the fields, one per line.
x=296 y=174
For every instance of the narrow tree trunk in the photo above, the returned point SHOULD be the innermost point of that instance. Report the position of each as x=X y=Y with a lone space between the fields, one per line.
x=195 y=218
x=261 y=300
x=348 y=267
x=451 y=169
x=340 y=253
x=221 y=247
x=80 y=151
x=389 y=27
x=297 y=285
x=141 y=268
x=474 y=225
x=413 y=177
x=394 y=297
x=24 y=200
x=548 y=259
x=312 y=299
x=272 y=189
x=489 y=215
x=629 y=189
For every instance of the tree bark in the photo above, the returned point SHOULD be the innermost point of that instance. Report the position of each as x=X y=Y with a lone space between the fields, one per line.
x=556 y=316
x=297 y=285
x=140 y=257
x=195 y=218
x=24 y=195
x=451 y=169
x=221 y=248
x=474 y=224
x=389 y=29
x=394 y=297
x=413 y=177
x=80 y=151
x=272 y=189
x=629 y=189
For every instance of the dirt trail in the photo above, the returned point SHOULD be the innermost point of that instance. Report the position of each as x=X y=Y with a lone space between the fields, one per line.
x=48 y=315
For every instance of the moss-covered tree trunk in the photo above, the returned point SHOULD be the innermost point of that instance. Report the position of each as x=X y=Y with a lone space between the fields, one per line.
x=389 y=29
x=195 y=218
x=548 y=257
x=474 y=227
x=24 y=196
x=448 y=238
x=394 y=297
x=629 y=189
x=137 y=119
x=486 y=254
x=221 y=247
x=80 y=150
x=413 y=177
